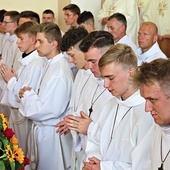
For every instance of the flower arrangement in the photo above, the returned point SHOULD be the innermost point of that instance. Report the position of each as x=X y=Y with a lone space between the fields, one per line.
x=11 y=156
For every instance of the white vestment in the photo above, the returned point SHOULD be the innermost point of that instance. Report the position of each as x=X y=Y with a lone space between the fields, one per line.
x=28 y=74
x=122 y=135
x=164 y=133
x=158 y=12
x=128 y=8
x=153 y=53
x=10 y=56
x=11 y=52
x=142 y=6
x=46 y=108
x=3 y=38
x=95 y=95
x=80 y=85
x=128 y=41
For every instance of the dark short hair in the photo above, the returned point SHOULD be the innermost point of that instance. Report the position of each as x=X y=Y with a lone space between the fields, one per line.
x=120 y=17
x=98 y=39
x=85 y=16
x=30 y=14
x=72 y=37
x=73 y=8
x=51 y=31
x=48 y=11
x=13 y=15
x=2 y=12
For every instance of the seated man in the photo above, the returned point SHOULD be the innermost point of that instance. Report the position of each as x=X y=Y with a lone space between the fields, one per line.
x=147 y=39
x=154 y=81
x=128 y=8
x=117 y=26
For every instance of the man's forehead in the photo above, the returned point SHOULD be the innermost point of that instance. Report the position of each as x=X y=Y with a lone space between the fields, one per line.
x=90 y=55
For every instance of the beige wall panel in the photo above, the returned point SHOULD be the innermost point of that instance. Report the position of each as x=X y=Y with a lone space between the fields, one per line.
x=36 y=5
x=61 y=23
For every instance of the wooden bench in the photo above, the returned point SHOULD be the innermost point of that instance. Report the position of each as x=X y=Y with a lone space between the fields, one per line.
x=165 y=46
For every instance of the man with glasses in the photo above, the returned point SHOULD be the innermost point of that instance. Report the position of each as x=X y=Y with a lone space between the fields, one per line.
x=10 y=52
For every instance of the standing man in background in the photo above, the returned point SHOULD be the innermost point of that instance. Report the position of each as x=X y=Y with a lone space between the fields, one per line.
x=86 y=19
x=48 y=16
x=71 y=13
x=25 y=16
x=117 y=26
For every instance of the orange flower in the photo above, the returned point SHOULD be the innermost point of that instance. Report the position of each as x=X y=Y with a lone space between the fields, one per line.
x=14 y=140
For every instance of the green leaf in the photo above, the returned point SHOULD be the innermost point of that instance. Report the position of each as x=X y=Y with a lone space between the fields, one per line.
x=2 y=166
x=12 y=165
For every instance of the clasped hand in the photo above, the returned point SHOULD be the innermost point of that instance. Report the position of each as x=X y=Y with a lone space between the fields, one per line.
x=23 y=90
x=6 y=72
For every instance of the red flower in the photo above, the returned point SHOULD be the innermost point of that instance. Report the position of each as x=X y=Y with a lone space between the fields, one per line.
x=8 y=133
x=22 y=168
x=26 y=161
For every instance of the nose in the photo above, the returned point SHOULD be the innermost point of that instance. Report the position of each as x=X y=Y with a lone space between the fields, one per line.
x=90 y=65
x=109 y=30
x=140 y=36
x=36 y=44
x=70 y=59
x=18 y=41
x=106 y=83
x=148 y=106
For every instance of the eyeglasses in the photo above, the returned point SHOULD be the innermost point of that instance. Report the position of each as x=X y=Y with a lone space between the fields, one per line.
x=6 y=22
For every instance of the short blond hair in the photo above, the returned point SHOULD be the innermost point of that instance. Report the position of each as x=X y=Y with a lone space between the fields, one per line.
x=121 y=54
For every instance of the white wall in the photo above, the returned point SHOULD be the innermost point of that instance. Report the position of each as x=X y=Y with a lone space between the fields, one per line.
x=56 y=5
x=35 y=5
x=89 y=5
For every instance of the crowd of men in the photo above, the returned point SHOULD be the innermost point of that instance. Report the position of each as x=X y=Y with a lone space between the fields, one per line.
x=86 y=99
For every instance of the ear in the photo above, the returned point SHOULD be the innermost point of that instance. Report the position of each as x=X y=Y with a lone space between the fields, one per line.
x=33 y=39
x=123 y=28
x=155 y=38
x=132 y=71
x=54 y=44
x=54 y=20
x=16 y=24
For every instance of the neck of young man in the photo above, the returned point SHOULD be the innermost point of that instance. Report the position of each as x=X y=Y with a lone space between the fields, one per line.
x=130 y=91
x=52 y=54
